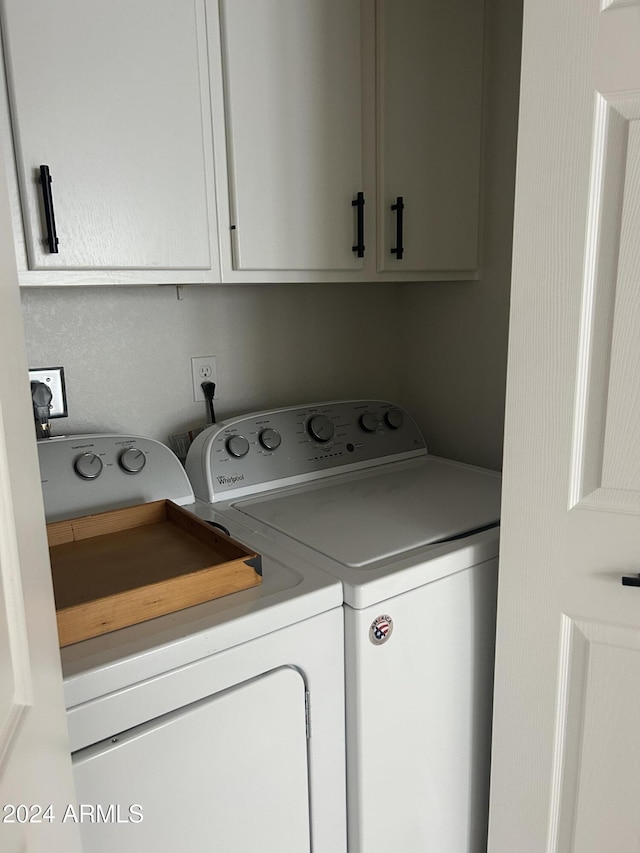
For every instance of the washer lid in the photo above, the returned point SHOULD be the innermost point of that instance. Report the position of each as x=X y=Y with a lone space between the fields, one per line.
x=361 y=519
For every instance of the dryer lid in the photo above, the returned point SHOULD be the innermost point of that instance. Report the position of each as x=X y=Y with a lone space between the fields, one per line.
x=361 y=519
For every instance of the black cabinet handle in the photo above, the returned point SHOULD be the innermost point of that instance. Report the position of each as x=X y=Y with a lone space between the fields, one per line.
x=399 y=207
x=47 y=197
x=359 y=203
x=631 y=581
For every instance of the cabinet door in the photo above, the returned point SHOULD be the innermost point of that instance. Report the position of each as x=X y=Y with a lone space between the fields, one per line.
x=293 y=107
x=429 y=59
x=228 y=774
x=109 y=96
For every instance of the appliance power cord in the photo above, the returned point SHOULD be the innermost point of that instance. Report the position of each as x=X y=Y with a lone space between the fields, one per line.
x=209 y=390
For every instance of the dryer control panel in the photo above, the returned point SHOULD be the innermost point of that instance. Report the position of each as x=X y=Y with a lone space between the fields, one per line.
x=83 y=474
x=273 y=448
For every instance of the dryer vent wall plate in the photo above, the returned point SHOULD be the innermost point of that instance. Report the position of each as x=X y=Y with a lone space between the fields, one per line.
x=53 y=377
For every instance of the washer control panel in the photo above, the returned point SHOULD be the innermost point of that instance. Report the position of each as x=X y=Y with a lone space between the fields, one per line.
x=84 y=474
x=261 y=450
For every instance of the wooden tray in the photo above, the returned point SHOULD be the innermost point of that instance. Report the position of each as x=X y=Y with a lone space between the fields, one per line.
x=129 y=565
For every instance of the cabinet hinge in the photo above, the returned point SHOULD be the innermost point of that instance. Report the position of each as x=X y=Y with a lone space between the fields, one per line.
x=307 y=713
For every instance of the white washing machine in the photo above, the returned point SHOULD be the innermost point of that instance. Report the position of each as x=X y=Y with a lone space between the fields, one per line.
x=216 y=728
x=350 y=487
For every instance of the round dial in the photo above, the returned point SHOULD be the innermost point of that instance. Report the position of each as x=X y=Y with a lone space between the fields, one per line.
x=238 y=446
x=132 y=460
x=394 y=418
x=321 y=428
x=270 y=439
x=369 y=422
x=88 y=466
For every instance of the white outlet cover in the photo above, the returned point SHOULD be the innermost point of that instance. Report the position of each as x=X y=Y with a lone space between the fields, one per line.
x=203 y=369
x=54 y=378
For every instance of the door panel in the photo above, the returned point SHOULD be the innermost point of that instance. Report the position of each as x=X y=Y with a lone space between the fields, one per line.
x=293 y=106
x=598 y=664
x=607 y=445
x=430 y=105
x=227 y=773
x=114 y=105
x=621 y=463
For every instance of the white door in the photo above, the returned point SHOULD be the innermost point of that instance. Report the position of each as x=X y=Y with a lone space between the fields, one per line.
x=429 y=75
x=35 y=765
x=227 y=773
x=566 y=755
x=293 y=111
x=112 y=98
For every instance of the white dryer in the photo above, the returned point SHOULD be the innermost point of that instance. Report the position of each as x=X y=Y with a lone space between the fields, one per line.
x=413 y=538
x=219 y=727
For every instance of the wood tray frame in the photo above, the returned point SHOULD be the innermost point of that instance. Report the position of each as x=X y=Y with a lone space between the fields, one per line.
x=129 y=565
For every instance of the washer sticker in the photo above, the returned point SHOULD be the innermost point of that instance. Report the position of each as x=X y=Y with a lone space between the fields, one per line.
x=380 y=630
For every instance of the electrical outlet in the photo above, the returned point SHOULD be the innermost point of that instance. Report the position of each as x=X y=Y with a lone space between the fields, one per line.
x=203 y=369
x=54 y=378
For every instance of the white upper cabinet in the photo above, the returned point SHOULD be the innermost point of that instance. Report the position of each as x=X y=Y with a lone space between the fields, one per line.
x=293 y=112
x=315 y=101
x=429 y=100
x=194 y=141
x=113 y=98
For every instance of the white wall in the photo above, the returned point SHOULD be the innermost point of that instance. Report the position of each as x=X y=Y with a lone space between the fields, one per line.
x=127 y=351
x=454 y=350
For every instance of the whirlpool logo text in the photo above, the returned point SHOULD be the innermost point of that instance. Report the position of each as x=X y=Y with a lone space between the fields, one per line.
x=230 y=480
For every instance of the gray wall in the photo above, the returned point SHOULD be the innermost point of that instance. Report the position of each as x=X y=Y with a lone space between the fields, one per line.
x=127 y=351
x=455 y=334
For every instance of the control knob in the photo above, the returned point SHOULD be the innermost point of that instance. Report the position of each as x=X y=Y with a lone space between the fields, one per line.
x=132 y=460
x=321 y=428
x=369 y=422
x=394 y=418
x=88 y=466
x=270 y=439
x=238 y=446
